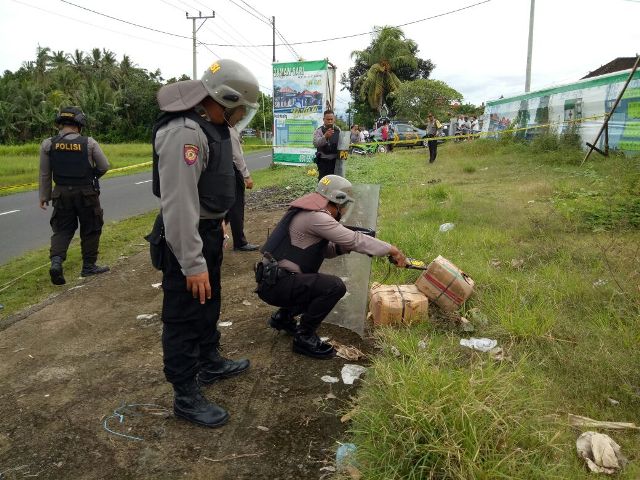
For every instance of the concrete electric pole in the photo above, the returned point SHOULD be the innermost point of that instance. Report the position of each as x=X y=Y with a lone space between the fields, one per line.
x=194 y=18
x=527 y=82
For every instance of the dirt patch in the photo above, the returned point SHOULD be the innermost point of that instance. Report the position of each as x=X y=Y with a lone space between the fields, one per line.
x=67 y=366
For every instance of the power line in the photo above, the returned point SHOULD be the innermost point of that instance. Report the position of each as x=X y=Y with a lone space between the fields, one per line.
x=359 y=34
x=250 y=13
x=255 y=10
x=127 y=22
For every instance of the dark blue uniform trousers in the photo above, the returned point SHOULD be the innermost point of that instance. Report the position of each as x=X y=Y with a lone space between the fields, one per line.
x=190 y=334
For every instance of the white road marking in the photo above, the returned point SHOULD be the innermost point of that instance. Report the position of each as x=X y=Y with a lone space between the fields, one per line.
x=10 y=211
x=265 y=156
x=145 y=181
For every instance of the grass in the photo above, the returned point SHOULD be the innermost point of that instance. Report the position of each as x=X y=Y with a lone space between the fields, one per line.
x=554 y=250
x=19 y=164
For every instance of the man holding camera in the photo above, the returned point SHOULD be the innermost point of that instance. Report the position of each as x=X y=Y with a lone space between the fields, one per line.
x=288 y=274
x=325 y=139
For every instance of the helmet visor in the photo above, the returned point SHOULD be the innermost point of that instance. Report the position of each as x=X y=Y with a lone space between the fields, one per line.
x=240 y=116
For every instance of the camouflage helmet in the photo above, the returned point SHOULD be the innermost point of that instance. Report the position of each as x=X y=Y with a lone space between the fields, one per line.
x=336 y=189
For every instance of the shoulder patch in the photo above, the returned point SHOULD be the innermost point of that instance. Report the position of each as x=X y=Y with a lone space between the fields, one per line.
x=190 y=153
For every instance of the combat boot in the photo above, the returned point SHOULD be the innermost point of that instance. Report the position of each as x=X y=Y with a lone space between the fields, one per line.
x=56 y=272
x=306 y=342
x=219 y=368
x=283 y=320
x=190 y=404
x=89 y=269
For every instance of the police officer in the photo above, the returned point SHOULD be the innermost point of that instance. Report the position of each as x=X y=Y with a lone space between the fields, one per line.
x=235 y=216
x=288 y=274
x=76 y=163
x=325 y=139
x=193 y=177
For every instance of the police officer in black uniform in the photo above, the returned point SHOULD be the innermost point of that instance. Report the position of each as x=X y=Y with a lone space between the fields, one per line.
x=194 y=178
x=325 y=139
x=75 y=162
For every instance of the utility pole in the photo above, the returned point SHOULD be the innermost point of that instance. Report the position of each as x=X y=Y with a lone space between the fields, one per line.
x=194 y=18
x=273 y=23
x=527 y=82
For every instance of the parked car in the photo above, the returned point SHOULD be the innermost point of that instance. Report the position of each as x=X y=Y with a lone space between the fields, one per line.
x=402 y=132
x=248 y=132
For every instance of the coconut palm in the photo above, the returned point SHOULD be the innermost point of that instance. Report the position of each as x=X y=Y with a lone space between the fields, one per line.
x=388 y=52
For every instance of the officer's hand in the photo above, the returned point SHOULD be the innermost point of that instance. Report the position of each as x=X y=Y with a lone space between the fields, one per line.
x=248 y=182
x=399 y=258
x=328 y=133
x=199 y=286
x=43 y=205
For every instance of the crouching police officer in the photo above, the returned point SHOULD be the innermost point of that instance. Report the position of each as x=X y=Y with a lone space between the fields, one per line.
x=194 y=178
x=288 y=274
x=76 y=163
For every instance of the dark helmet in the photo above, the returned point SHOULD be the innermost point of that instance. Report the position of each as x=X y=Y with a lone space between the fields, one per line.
x=71 y=116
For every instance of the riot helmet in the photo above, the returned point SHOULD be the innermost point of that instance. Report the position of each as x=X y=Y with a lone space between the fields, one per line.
x=336 y=189
x=71 y=116
x=233 y=86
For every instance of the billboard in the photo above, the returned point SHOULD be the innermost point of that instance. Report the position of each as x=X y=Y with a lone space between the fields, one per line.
x=301 y=93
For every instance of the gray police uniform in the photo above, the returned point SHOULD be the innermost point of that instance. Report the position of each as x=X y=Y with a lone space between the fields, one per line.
x=193 y=176
x=75 y=162
x=326 y=150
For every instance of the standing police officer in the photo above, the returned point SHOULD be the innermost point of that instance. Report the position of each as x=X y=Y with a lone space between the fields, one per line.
x=193 y=176
x=288 y=275
x=325 y=139
x=76 y=163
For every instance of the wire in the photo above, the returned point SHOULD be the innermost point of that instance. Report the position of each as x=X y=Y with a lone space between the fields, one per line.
x=360 y=34
x=125 y=21
x=255 y=10
x=250 y=13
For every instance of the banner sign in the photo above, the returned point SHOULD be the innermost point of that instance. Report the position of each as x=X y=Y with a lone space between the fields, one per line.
x=301 y=93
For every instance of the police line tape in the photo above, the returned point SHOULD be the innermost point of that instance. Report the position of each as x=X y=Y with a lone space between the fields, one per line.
x=492 y=133
x=35 y=184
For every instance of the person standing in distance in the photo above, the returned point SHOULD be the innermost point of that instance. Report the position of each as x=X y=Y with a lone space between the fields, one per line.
x=76 y=163
x=288 y=274
x=434 y=128
x=193 y=177
x=325 y=139
x=235 y=216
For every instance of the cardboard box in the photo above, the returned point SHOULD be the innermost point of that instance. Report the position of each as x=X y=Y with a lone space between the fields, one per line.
x=397 y=304
x=445 y=284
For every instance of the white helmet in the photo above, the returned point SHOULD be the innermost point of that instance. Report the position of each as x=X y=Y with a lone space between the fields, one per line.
x=232 y=85
x=336 y=189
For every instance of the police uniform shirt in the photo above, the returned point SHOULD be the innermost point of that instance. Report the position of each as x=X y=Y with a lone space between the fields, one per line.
x=238 y=155
x=183 y=153
x=97 y=158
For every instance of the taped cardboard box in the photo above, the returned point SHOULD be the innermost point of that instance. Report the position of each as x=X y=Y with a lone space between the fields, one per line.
x=445 y=284
x=397 y=304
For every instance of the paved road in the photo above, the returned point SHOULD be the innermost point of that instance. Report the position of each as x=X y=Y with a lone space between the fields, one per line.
x=25 y=226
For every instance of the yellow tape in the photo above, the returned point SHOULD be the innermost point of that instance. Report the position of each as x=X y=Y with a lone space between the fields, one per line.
x=121 y=169
x=468 y=135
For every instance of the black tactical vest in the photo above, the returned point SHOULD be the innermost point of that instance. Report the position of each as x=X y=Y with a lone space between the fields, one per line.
x=69 y=160
x=279 y=246
x=216 y=187
x=330 y=150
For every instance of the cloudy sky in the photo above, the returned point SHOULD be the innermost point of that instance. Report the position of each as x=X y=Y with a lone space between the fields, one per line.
x=480 y=49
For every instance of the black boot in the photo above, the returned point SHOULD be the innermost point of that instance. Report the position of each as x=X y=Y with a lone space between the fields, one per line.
x=283 y=320
x=306 y=342
x=190 y=404
x=92 y=269
x=219 y=368
x=56 y=273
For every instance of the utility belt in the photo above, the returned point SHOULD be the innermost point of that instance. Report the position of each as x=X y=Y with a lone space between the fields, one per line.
x=268 y=272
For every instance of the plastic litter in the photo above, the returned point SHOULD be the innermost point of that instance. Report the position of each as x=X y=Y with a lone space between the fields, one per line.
x=600 y=452
x=329 y=379
x=445 y=227
x=351 y=373
x=345 y=455
x=480 y=344
x=156 y=285
x=146 y=316
x=246 y=303
x=225 y=324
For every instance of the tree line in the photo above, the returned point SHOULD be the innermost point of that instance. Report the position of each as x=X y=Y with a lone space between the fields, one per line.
x=118 y=97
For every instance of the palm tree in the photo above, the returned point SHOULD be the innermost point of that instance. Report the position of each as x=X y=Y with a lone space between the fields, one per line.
x=388 y=52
